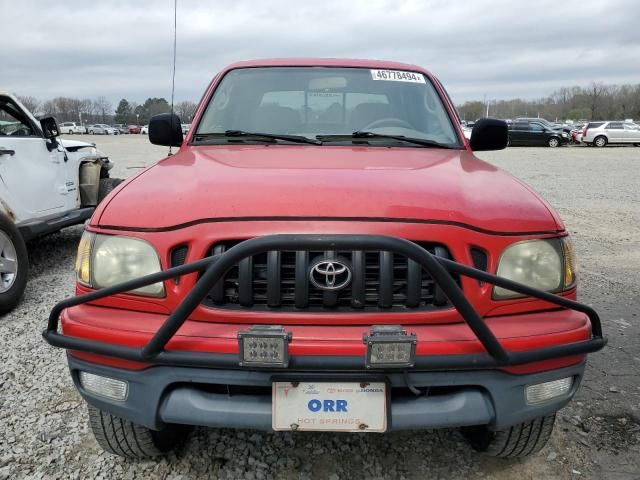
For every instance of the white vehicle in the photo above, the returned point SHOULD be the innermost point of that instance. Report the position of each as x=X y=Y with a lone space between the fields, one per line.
x=69 y=128
x=46 y=184
x=601 y=134
x=185 y=128
x=102 y=129
x=144 y=130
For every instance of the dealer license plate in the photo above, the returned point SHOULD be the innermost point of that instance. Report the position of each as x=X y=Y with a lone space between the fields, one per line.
x=329 y=406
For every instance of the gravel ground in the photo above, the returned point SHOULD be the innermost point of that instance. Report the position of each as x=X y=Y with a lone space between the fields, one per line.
x=43 y=420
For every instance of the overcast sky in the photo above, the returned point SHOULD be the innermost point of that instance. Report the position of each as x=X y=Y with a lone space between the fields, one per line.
x=501 y=49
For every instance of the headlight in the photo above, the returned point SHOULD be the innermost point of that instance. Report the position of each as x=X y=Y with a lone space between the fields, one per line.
x=105 y=260
x=547 y=265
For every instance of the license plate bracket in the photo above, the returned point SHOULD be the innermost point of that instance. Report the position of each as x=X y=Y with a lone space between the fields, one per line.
x=330 y=405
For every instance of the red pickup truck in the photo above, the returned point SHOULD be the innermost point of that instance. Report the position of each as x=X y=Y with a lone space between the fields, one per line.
x=325 y=253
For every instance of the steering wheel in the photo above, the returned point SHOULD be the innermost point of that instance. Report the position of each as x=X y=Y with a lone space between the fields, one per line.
x=388 y=122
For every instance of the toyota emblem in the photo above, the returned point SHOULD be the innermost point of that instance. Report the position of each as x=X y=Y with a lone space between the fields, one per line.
x=330 y=274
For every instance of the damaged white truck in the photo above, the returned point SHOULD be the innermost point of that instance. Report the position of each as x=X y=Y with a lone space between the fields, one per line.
x=46 y=184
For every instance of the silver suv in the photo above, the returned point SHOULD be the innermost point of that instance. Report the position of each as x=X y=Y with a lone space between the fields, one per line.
x=601 y=134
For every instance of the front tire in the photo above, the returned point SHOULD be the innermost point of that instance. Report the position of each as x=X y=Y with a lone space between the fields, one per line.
x=14 y=265
x=106 y=186
x=600 y=141
x=127 y=439
x=518 y=441
x=553 y=142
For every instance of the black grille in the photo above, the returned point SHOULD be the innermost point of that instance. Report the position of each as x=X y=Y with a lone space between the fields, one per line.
x=279 y=280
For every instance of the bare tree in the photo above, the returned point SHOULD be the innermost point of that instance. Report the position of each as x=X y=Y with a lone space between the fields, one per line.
x=186 y=110
x=595 y=91
x=49 y=108
x=31 y=103
x=103 y=108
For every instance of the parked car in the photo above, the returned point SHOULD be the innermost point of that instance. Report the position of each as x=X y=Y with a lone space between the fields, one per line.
x=602 y=134
x=134 y=129
x=69 y=128
x=185 y=128
x=121 y=128
x=144 y=130
x=284 y=273
x=102 y=129
x=534 y=132
x=48 y=183
x=577 y=132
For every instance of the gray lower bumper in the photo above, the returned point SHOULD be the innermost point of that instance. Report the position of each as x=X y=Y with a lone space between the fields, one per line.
x=161 y=395
x=185 y=405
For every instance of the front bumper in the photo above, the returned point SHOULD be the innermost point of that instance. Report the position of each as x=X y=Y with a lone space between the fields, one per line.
x=223 y=398
x=441 y=270
x=166 y=391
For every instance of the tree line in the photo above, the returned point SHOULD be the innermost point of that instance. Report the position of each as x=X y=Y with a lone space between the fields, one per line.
x=100 y=110
x=598 y=101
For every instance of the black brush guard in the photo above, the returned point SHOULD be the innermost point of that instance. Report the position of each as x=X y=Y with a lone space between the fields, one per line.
x=215 y=267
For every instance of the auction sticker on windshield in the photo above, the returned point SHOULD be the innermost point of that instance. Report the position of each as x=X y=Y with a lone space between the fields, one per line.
x=324 y=406
x=397 y=76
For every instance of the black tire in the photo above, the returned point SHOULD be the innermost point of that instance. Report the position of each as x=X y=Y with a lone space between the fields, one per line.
x=600 y=141
x=15 y=284
x=553 y=142
x=518 y=441
x=106 y=186
x=127 y=439
x=90 y=132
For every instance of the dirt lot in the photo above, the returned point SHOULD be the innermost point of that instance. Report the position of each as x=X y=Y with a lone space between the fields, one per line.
x=596 y=191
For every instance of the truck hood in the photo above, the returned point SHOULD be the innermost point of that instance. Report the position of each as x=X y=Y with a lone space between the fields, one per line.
x=73 y=145
x=243 y=182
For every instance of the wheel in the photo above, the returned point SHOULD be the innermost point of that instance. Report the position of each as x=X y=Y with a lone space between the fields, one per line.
x=127 y=439
x=636 y=144
x=518 y=441
x=106 y=186
x=553 y=142
x=14 y=265
x=600 y=141
x=90 y=132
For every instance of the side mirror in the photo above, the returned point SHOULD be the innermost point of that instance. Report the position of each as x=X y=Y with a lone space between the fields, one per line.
x=489 y=134
x=165 y=129
x=49 y=128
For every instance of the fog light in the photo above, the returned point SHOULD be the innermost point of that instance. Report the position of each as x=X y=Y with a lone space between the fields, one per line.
x=390 y=346
x=541 y=392
x=264 y=346
x=104 y=386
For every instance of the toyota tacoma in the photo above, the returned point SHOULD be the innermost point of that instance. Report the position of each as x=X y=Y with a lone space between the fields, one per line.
x=325 y=253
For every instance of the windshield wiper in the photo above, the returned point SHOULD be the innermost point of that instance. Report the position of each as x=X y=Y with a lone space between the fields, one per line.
x=271 y=136
x=400 y=138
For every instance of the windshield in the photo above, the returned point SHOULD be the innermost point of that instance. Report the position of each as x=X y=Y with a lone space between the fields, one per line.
x=329 y=102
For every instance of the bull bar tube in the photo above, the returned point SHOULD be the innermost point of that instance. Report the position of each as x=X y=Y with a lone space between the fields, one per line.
x=215 y=267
